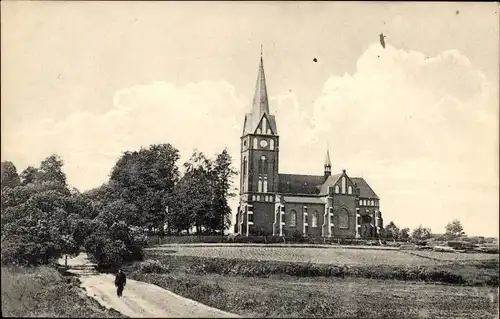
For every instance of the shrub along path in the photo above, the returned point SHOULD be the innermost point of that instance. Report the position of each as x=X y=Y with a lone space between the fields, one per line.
x=139 y=299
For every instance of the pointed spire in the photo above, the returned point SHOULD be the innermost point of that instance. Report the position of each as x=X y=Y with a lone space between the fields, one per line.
x=260 y=106
x=327 y=159
x=328 y=164
x=260 y=101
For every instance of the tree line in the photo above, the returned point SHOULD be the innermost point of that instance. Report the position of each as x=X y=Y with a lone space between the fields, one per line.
x=453 y=230
x=44 y=219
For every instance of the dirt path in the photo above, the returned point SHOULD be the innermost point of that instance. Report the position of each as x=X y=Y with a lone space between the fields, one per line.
x=139 y=299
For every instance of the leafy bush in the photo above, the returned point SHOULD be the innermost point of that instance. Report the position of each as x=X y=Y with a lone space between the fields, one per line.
x=153 y=266
x=461 y=245
x=109 y=248
x=17 y=251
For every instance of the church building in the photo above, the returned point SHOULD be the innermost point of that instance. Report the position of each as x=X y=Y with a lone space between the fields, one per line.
x=331 y=205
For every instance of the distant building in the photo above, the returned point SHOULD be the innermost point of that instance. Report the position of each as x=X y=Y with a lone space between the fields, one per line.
x=282 y=204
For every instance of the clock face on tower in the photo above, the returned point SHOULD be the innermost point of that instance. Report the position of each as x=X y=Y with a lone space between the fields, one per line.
x=263 y=143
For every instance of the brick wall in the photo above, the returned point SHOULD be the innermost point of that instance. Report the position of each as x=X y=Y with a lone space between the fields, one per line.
x=298 y=207
x=263 y=218
x=349 y=203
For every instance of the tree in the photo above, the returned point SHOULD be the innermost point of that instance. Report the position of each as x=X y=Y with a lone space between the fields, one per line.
x=222 y=175
x=454 y=229
x=146 y=178
x=29 y=175
x=196 y=193
x=200 y=197
x=51 y=170
x=405 y=233
x=10 y=178
x=35 y=220
x=392 y=231
x=40 y=227
x=42 y=220
x=421 y=233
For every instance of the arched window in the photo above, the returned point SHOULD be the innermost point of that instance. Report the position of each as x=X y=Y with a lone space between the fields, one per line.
x=269 y=131
x=343 y=217
x=337 y=189
x=360 y=202
x=264 y=125
x=263 y=165
x=259 y=131
x=373 y=202
x=343 y=184
x=293 y=218
x=349 y=190
x=271 y=143
x=255 y=143
x=265 y=184
x=259 y=186
x=314 y=219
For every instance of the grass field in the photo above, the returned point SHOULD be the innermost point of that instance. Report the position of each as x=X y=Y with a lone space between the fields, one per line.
x=296 y=281
x=44 y=292
x=454 y=257
x=343 y=256
x=285 y=296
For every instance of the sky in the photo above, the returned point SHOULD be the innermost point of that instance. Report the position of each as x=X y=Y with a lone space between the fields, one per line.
x=417 y=119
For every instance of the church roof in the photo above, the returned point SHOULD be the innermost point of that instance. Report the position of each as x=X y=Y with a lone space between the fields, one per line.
x=330 y=181
x=364 y=189
x=252 y=121
x=300 y=184
x=318 y=185
x=260 y=105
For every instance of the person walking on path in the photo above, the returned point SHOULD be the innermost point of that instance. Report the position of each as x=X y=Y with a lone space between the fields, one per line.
x=120 y=281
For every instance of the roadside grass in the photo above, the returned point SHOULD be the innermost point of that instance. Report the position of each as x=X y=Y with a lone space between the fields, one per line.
x=44 y=292
x=287 y=296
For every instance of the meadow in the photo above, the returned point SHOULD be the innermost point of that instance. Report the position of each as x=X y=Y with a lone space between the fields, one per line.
x=331 y=297
x=326 y=282
x=334 y=255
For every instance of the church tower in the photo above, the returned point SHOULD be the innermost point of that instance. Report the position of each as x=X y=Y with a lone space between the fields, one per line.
x=259 y=158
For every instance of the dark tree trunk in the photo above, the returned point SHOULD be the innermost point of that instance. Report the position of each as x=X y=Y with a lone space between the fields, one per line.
x=197 y=226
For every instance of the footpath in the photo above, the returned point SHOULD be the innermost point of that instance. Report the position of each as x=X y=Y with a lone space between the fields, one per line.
x=139 y=299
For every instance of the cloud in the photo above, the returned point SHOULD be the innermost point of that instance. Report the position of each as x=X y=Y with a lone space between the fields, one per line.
x=422 y=131
x=416 y=125
x=200 y=115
